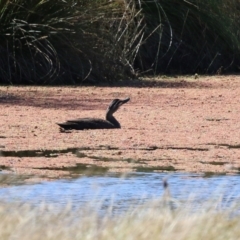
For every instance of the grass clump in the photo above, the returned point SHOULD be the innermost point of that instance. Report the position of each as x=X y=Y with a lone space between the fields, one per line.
x=149 y=222
x=56 y=42
x=190 y=37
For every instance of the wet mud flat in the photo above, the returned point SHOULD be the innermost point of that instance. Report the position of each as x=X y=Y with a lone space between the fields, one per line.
x=170 y=125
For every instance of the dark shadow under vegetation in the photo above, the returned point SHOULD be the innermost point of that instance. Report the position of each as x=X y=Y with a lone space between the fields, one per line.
x=52 y=100
x=99 y=41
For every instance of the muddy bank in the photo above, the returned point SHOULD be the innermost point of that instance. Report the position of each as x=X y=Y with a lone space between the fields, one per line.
x=179 y=124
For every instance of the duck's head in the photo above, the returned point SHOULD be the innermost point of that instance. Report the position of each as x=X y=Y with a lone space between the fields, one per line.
x=115 y=105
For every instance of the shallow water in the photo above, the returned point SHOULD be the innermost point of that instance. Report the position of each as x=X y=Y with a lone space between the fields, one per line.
x=122 y=192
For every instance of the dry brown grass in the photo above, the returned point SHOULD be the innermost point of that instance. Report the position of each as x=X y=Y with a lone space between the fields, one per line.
x=153 y=221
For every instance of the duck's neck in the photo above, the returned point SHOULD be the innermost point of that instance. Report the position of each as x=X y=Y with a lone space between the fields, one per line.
x=113 y=120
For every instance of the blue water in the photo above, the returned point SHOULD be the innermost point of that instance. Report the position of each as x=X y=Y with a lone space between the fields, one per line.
x=121 y=193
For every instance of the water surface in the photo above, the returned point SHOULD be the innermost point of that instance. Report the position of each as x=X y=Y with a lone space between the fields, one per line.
x=122 y=192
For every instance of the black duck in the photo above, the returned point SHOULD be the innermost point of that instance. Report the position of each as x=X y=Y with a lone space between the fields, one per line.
x=96 y=123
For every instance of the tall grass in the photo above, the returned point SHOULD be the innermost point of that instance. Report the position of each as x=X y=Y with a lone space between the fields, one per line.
x=72 y=41
x=163 y=218
x=55 y=42
x=149 y=222
x=190 y=36
x=28 y=30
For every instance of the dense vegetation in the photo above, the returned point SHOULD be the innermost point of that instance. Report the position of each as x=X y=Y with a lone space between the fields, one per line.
x=72 y=41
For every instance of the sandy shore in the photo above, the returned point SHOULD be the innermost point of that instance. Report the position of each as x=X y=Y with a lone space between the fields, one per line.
x=179 y=124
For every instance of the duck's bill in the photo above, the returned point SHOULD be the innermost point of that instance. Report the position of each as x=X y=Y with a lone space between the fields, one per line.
x=125 y=100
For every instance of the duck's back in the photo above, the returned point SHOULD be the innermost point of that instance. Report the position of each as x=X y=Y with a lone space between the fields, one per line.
x=86 y=123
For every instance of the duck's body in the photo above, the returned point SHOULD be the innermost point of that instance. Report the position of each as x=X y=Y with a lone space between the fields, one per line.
x=96 y=123
x=87 y=123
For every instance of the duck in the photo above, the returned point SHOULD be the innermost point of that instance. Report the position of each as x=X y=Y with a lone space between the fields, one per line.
x=96 y=123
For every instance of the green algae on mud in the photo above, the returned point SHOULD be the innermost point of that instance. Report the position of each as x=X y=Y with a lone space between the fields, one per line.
x=154 y=169
x=37 y=153
x=80 y=169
